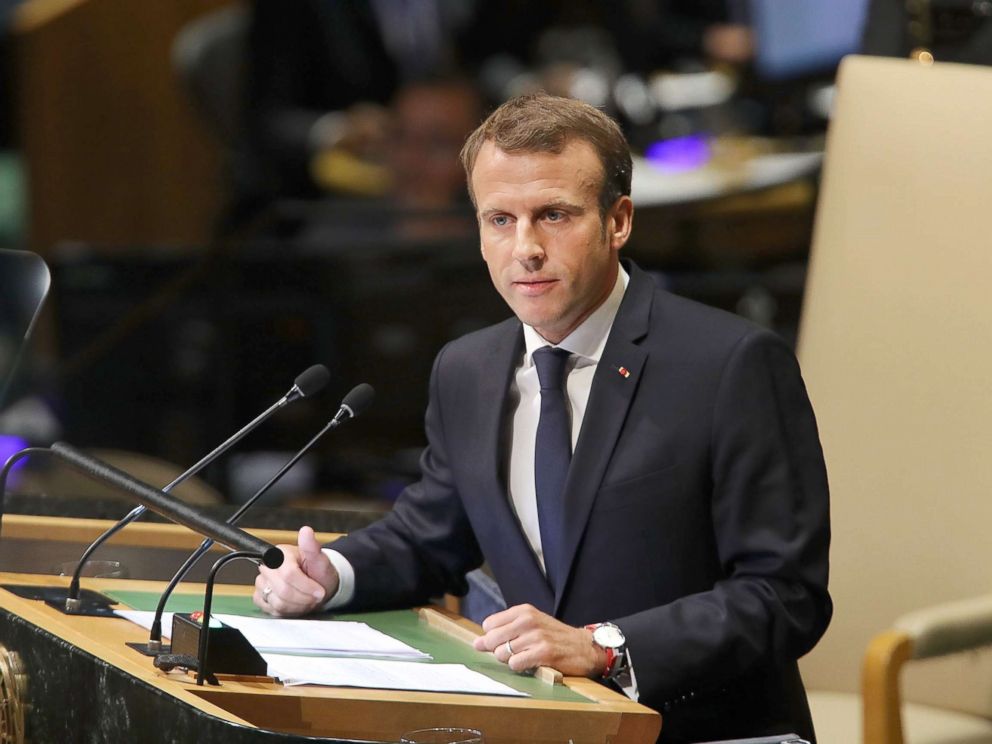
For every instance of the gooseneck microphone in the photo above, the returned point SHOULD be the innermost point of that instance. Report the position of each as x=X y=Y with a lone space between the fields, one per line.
x=311 y=381
x=354 y=404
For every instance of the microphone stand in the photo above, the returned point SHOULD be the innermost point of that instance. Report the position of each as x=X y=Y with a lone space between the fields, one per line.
x=94 y=602
x=201 y=656
x=311 y=381
x=154 y=645
x=73 y=604
x=157 y=501
x=355 y=402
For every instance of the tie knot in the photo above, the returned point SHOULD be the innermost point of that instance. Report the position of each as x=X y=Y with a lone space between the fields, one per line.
x=550 y=363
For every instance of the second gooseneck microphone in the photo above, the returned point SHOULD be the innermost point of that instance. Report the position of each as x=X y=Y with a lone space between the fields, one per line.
x=352 y=405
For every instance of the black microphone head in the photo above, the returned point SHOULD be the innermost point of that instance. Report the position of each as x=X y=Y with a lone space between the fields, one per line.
x=273 y=557
x=312 y=380
x=360 y=398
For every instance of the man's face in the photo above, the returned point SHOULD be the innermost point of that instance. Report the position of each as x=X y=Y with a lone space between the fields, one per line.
x=551 y=254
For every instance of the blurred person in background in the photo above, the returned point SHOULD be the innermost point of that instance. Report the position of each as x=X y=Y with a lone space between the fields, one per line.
x=321 y=75
x=421 y=194
x=431 y=120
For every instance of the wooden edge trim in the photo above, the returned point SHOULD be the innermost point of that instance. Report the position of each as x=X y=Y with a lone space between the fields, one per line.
x=466 y=631
x=460 y=629
x=141 y=534
x=880 y=698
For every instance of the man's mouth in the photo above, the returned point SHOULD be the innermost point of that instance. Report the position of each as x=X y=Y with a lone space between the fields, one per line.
x=532 y=287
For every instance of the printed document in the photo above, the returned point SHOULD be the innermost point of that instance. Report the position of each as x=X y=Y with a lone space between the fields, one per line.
x=385 y=675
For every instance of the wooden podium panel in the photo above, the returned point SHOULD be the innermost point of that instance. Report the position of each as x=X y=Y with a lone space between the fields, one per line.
x=84 y=684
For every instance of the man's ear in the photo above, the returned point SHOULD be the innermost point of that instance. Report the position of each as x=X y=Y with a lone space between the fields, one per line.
x=620 y=222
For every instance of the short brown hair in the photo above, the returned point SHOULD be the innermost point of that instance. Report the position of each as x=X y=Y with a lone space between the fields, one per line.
x=546 y=123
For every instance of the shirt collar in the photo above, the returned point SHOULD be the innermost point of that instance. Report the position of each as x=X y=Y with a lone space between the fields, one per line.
x=589 y=339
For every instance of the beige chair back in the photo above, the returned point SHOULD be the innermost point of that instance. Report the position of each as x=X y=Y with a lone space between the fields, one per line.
x=896 y=348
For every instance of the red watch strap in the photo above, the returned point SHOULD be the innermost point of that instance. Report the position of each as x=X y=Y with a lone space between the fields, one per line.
x=611 y=659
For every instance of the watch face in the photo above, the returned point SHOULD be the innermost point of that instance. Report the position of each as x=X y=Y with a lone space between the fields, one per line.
x=608 y=636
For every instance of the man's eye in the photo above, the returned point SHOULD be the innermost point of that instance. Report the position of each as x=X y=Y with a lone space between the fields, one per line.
x=500 y=220
x=554 y=215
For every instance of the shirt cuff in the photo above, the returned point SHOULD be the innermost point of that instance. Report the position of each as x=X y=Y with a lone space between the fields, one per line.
x=346 y=579
x=626 y=680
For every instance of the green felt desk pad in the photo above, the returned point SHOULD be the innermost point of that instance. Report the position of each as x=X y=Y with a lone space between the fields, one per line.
x=404 y=625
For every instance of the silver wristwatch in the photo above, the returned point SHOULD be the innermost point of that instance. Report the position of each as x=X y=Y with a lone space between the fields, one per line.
x=612 y=640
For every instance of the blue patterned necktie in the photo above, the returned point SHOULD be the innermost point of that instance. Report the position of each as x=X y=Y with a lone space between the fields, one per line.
x=552 y=455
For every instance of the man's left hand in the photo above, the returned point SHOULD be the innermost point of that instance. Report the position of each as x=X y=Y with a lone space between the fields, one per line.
x=537 y=639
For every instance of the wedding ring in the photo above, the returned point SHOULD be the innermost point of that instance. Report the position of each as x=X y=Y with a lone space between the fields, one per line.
x=509 y=648
x=265 y=594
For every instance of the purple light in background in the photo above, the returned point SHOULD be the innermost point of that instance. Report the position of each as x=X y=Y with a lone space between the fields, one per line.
x=10 y=444
x=679 y=153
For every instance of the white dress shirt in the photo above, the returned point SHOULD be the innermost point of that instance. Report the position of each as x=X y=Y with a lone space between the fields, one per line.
x=586 y=344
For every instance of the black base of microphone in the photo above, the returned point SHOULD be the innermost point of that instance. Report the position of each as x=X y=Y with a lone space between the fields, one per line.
x=90 y=603
x=145 y=650
x=230 y=652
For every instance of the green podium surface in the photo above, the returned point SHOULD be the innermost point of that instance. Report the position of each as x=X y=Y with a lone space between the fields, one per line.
x=404 y=625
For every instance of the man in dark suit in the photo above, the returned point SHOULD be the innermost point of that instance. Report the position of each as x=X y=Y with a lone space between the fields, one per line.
x=643 y=474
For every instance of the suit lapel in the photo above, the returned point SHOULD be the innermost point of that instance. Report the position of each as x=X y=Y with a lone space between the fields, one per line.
x=614 y=385
x=493 y=389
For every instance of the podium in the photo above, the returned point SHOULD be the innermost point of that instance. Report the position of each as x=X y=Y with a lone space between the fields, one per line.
x=73 y=679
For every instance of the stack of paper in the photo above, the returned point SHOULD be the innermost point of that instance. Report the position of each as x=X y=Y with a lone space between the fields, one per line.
x=384 y=675
x=303 y=652
x=320 y=637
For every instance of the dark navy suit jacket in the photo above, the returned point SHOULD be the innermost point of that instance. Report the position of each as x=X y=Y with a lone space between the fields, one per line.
x=697 y=510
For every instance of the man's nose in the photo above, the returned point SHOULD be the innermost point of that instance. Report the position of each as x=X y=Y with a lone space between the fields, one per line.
x=528 y=248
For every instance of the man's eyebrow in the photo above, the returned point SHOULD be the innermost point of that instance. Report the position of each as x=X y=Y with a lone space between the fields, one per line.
x=561 y=204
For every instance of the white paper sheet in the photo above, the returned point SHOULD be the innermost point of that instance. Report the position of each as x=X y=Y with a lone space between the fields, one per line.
x=382 y=674
x=145 y=619
x=334 y=637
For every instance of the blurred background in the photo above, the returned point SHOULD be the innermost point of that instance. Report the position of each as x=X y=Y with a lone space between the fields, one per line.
x=228 y=193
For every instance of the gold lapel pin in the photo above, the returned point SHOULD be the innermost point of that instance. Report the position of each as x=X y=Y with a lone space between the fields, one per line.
x=624 y=371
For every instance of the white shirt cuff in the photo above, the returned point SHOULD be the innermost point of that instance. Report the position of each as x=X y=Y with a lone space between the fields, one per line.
x=627 y=681
x=346 y=579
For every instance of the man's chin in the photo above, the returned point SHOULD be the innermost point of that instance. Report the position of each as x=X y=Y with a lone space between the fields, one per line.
x=550 y=331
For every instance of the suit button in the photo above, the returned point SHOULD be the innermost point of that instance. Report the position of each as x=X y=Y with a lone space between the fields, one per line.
x=666 y=706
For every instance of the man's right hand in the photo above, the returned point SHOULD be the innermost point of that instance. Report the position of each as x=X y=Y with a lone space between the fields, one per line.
x=305 y=580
